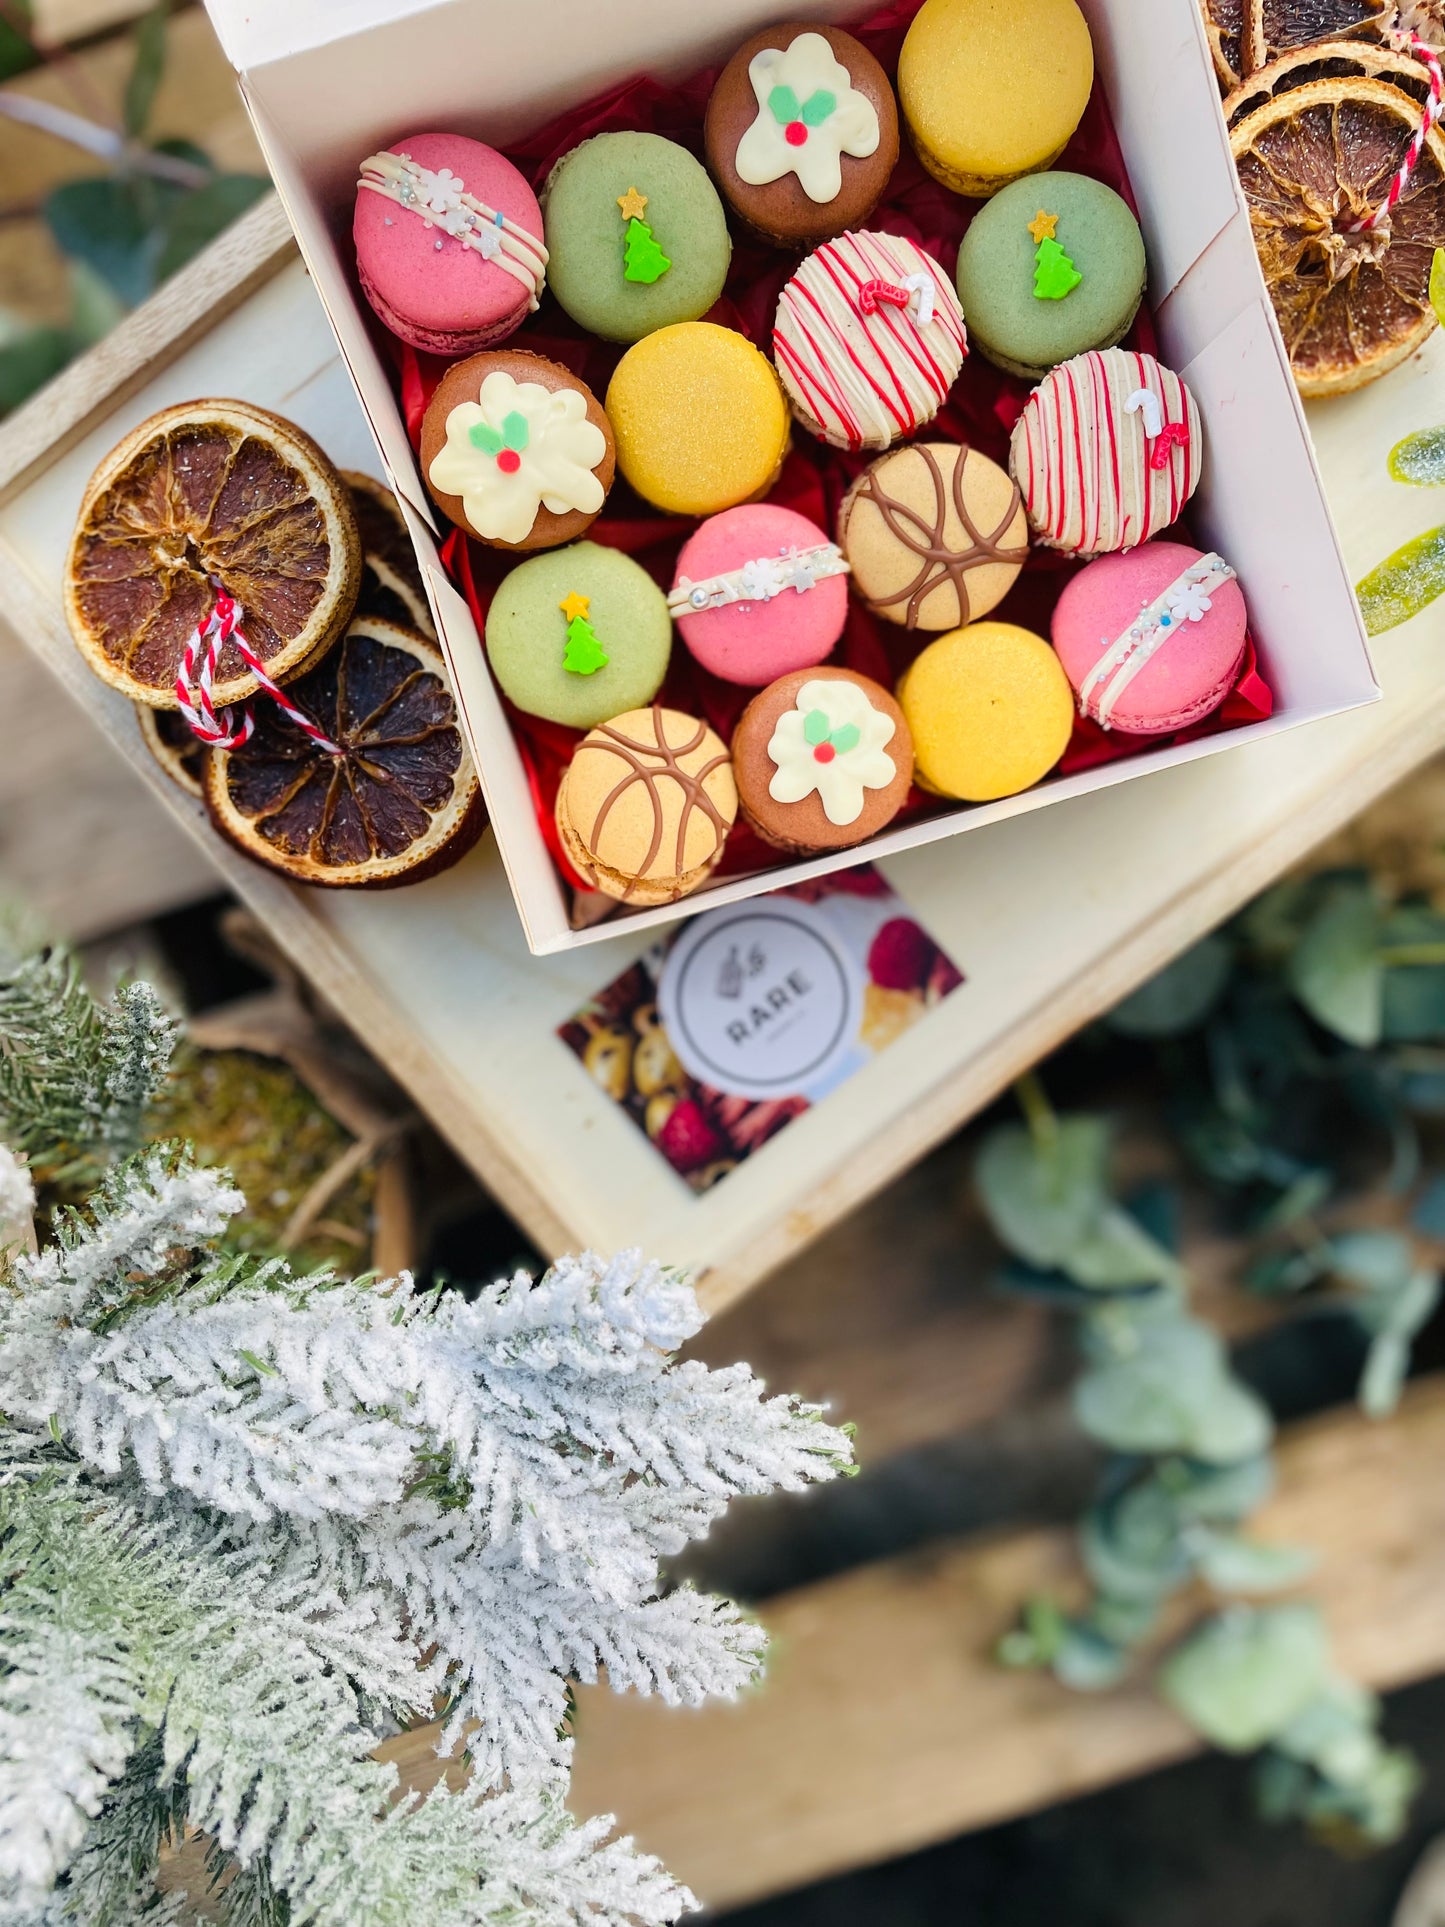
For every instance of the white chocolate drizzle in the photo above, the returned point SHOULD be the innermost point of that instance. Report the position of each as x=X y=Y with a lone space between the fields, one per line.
x=441 y=200
x=1187 y=599
x=758 y=580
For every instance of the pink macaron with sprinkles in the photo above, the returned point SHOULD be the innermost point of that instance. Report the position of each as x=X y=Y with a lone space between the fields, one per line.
x=868 y=339
x=759 y=591
x=448 y=240
x=1152 y=641
x=1107 y=451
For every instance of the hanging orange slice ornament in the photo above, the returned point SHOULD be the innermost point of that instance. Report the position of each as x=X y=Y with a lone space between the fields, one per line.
x=1316 y=165
x=391 y=795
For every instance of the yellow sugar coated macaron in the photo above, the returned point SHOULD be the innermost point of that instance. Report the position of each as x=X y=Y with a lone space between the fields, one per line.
x=699 y=418
x=990 y=710
x=992 y=89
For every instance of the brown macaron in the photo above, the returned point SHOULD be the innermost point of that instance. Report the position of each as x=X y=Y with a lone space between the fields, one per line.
x=823 y=760
x=801 y=133
x=516 y=450
x=646 y=804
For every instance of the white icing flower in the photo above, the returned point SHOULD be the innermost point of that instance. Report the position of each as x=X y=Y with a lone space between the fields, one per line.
x=831 y=741
x=1189 y=601
x=758 y=580
x=809 y=116
x=442 y=192
x=519 y=447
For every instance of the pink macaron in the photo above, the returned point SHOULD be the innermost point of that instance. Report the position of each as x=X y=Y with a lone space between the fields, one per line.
x=449 y=245
x=1151 y=640
x=759 y=591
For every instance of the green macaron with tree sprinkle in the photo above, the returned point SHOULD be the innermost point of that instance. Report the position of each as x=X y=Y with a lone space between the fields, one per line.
x=579 y=635
x=1051 y=267
x=636 y=234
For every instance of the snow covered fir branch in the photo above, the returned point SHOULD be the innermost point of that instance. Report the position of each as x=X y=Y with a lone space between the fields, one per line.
x=251 y=1523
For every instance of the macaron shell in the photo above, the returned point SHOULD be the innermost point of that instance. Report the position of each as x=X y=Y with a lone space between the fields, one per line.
x=700 y=420
x=450 y=299
x=782 y=211
x=587 y=235
x=527 y=635
x=623 y=828
x=997 y=266
x=1189 y=675
x=991 y=89
x=754 y=642
x=914 y=516
x=990 y=709
x=803 y=827
x=462 y=383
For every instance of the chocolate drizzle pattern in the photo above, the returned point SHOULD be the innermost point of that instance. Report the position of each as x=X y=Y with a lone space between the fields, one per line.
x=938 y=562
x=667 y=763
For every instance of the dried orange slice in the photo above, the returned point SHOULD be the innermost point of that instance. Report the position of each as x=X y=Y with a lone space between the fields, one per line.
x=391 y=584
x=1328 y=60
x=400 y=803
x=207 y=493
x=170 y=739
x=1245 y=35
x=1313 y=163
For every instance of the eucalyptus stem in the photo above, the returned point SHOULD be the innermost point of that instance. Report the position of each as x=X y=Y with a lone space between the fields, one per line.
x=105 y=142
x=1412 y=953
x=1040 y=1116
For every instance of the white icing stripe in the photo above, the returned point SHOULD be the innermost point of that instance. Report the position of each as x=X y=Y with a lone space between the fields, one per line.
x=758 y=580
x=1081 y=454
x=868 y=379
x=1186 y=599
x=441 y=200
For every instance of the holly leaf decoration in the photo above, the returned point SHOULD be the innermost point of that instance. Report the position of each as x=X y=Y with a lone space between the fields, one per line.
x=514 y=431
x=817 y=107
x=783 y=105
x=482 y=435
x=815 y=727
x=845 y=738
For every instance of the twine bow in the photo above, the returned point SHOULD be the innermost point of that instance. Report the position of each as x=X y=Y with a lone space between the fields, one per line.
x=1405 y=41
x=193 y=684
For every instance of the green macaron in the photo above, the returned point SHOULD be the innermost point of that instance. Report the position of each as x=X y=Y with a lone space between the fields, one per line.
x=579 y=635
x=1051 y=267
x=636 y=235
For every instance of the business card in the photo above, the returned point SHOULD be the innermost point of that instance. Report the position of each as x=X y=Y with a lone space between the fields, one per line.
x=747 y=1016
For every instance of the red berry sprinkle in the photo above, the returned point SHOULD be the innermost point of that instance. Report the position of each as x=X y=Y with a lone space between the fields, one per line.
x=509 y=461
x=824 y=753
x=795 y=133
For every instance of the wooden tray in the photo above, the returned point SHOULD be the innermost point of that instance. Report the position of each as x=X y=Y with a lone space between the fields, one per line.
x=1052 y=917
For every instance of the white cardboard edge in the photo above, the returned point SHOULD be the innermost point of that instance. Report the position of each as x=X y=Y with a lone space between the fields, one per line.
x=1306 y=623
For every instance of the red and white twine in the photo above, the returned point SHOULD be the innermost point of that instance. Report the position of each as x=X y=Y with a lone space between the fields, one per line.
x=1434 y=106
x=197 y=673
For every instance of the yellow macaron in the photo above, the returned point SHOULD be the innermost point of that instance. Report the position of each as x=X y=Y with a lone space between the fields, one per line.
x=990 y=711
x=699 y=418
x=992 y=89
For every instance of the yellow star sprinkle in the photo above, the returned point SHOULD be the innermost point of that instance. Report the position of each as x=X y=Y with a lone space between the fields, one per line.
x=574 y=605
x=632 y=204
x=1043 y=227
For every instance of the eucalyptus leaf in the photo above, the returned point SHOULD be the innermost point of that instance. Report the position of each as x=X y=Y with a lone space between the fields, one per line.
x=199 y=216
x=1413 y=1009
x=1042 y=1199
x=1173 y=1393
x=1134 y=1566
x=1374 y=1260
x=1117 y=1252
x=28 y=360
x=1335 y=969
x=1245 y=1674
x=1220 y=1494
x=110 y=225
x=1428 y=1216
x=17 y=50
x=1232 y=1563
x=94 y=306
x=1327 y=1733
x=1420 y=458
x=1404 y=583
x=1387 y=1366
x=1089 y=1662
x=147 y=67
x=1180 y=997
x=1124 y=1622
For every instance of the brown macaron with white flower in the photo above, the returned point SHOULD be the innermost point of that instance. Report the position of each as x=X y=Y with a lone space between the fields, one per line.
x=823 y=760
